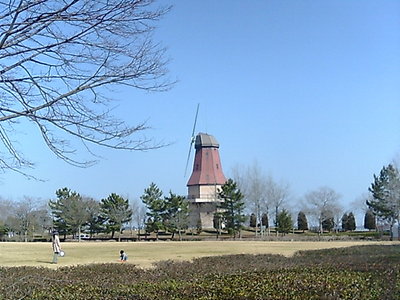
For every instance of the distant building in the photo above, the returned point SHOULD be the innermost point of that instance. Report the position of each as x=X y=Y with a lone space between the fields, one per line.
x=204 y=183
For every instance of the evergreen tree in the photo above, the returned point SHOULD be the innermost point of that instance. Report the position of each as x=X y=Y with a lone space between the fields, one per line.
x=232 y=207
x=95 y=220
x=369 y=220
x=253 y=220
x=284 y=222
x=345 y=219
x=69 y=211
x=302 y=223
x=154 y=202
x=264 y=220
x=175 y=214
x=328 y=223
x=115 y=211
x=58 y=207
x=385 y=190
x=351 y=222
x=3 y=230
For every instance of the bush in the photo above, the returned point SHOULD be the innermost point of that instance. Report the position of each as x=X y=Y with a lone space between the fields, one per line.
x=366 y=272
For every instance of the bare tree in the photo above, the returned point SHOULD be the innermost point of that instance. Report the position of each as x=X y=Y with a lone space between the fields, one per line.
x=256 y=193
x=277 y=194
x=251 y=182
x=261 y=192
x=239 y=176
x=6 y=209
x=359 y=204
x=58 y=63
x=138 y=217
x=322 y=204
x=28 y=217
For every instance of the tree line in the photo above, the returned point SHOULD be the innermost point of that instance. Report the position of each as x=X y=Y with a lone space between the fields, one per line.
x=263 y=196
x=71 y=214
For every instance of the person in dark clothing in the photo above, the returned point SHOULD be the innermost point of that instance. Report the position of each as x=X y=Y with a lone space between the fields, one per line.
x=123 y=257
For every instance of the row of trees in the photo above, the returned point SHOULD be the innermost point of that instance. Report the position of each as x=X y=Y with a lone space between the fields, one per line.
x=265 y=197
x=233 y=205
x=285 y=224
x=167 y=213
x=25 y=218
x=71 y=213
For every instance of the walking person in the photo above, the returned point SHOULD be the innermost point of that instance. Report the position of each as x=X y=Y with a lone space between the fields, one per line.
x=56 y=246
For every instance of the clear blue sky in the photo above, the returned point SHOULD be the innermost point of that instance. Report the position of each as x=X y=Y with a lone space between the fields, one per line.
x=309 y=89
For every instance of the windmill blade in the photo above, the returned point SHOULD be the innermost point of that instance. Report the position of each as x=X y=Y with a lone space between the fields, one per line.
x=188 y=158
x=192 y=139
x=195 y=121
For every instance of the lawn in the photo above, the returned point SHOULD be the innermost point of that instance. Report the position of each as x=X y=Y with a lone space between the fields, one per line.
x=144 y=254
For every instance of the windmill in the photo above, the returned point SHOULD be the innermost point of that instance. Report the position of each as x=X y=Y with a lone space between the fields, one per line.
x=206 y=179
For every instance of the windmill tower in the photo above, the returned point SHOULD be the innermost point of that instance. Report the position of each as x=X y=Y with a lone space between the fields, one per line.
x=205 y=181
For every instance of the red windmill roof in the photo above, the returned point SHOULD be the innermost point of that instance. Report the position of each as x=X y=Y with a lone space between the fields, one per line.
x=207 y=168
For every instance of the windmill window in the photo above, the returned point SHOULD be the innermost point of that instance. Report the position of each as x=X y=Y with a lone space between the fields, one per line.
x=197 y=167
x=217 y=166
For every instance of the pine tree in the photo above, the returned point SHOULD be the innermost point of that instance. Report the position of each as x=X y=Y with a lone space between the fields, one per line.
x=253 y=220
x=175 y=213
x=369 y=220
x=351 y=222
x=264 y=220
x=69 y=211
x=116 y=211
x=232 y=207
x=3 y=230
x=385 y=190
x=345 y=219
x=284 y=222
x=302 y=223
x=154 y=202
x=328 y=223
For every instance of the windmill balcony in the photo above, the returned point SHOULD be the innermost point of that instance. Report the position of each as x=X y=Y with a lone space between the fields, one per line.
x=202 y=198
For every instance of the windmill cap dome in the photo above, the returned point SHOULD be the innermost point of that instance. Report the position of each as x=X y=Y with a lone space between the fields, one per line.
x=205 y=140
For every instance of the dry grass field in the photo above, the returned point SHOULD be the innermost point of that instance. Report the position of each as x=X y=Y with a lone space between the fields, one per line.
x=144 y=254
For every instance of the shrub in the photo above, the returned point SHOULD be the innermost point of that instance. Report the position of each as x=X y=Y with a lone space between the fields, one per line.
x=366 y=272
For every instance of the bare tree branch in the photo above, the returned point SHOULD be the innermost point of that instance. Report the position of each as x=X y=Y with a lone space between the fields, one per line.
x=57 y=61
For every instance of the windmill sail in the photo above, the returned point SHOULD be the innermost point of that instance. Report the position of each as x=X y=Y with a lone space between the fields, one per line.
x=192 y=138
